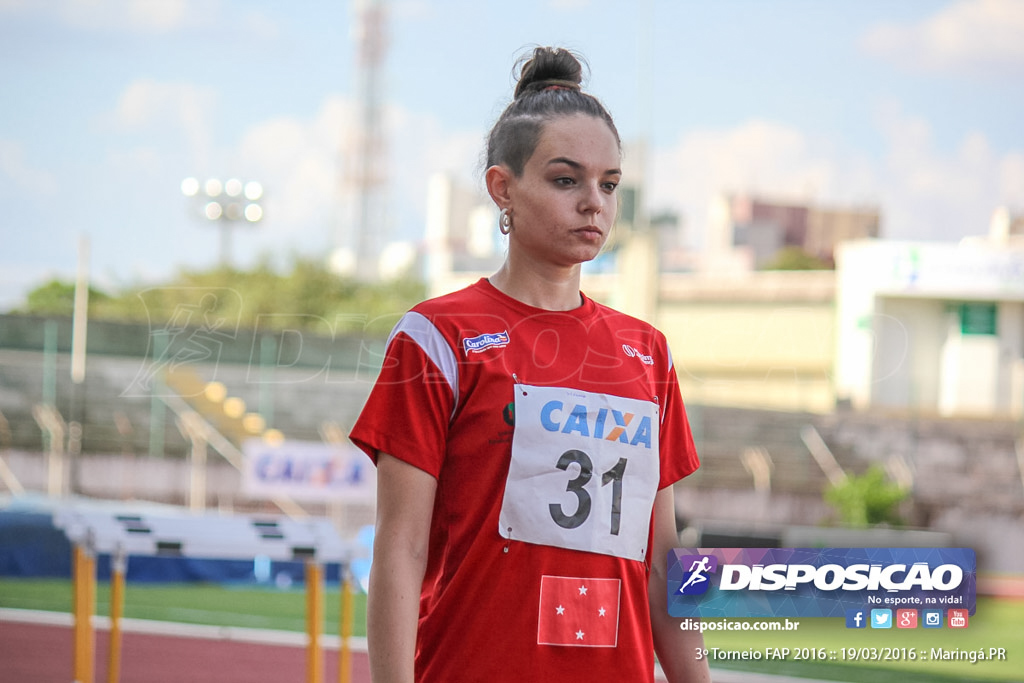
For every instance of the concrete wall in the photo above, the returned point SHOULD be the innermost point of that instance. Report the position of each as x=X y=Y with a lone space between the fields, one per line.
x=966 y=480
x=166 y=480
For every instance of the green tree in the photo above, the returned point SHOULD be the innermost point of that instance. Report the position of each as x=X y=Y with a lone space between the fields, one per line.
x=309 y=296
x=867 y=500
x=58 y=298
x=795 y=258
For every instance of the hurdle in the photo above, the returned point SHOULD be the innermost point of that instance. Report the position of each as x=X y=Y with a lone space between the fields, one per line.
x=314 y=541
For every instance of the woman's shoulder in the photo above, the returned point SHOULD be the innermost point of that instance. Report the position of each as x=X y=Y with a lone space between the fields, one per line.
x=618 y=318
x=471 y=299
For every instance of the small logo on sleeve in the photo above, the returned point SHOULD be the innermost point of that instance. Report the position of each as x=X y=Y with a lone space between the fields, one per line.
x=633 y=352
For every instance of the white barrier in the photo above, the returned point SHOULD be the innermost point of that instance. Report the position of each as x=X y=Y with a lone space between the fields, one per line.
x=205 y=536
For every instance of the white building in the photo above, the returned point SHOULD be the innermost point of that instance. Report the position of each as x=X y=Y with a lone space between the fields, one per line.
x=931 y=328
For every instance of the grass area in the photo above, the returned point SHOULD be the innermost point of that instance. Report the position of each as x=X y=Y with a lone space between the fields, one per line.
x=996 y=624
x=209 y=604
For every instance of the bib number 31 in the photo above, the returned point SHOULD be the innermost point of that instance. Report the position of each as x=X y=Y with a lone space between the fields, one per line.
x=584 y=471
x=578 y=485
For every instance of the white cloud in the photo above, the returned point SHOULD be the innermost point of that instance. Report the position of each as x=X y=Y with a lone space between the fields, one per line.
x=21 y=174
x=923 y=192
x=1011 y=179
x=410 y=10
x=760 y=157
x=308 y=168
x=969 y=36
x=136 y=15
x=569 y=5
x=151 y=106
x=929 y=193
x=298 y=161
x=148 y=17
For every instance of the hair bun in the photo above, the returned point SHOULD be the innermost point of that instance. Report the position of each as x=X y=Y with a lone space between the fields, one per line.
x=549 y=67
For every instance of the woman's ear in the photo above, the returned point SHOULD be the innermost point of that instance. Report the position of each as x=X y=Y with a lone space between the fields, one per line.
x=498 y=179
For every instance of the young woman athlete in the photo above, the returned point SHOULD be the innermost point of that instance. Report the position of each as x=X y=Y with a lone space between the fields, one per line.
x=527 y=438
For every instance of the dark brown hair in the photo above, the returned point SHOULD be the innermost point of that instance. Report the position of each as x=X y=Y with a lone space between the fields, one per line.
x=548 y=87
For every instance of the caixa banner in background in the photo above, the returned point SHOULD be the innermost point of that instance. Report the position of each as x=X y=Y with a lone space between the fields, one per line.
x=308 y=470
x=817 y=582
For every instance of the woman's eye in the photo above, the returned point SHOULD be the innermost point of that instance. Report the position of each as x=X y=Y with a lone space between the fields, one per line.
x=610 y=187
x=564 y=181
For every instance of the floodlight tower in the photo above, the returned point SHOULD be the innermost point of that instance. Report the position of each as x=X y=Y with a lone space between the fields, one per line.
x=370 y=158
x=225 y=204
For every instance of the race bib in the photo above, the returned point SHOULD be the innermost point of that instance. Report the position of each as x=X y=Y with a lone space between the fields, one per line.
x=584 y=472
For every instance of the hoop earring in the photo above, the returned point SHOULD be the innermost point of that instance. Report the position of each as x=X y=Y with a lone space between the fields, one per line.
x=505 y=221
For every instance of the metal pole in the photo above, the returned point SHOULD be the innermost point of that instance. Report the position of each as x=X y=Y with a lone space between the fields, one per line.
x=119 y=566
x=79 y=329
x=157 y=411
x=268 y=360
x=49 y=371
x=50 y=421
x=345 y=630
x=191 y=428
x=80 y=318
x=83 y=604
x=314 y=621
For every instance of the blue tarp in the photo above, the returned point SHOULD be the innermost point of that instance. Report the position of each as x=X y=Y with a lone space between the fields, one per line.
x=31 y=546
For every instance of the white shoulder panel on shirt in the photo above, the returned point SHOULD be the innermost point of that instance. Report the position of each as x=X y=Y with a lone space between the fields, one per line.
x=433 y=343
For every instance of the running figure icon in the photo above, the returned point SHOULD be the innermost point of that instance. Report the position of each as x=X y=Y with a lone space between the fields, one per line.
x=697 y=571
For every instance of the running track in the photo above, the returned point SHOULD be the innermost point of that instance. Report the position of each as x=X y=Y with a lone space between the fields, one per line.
x=35 y=647
x=32 y=652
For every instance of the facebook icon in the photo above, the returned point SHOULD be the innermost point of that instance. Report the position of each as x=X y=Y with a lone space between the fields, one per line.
x=856 y=618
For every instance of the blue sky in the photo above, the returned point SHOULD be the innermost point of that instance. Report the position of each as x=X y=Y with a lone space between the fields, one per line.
x=913 y=106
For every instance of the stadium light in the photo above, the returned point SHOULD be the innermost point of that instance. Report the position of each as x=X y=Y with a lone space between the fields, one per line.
x=225 y=203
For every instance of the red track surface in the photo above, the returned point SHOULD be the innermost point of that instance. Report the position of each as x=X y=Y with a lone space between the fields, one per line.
x=33 y=653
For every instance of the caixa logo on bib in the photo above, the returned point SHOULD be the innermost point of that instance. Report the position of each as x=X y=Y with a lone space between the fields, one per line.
x=603 y=423
x=783 y=582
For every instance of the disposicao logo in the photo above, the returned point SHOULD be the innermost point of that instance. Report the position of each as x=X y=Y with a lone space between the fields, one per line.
x=833 y=577
x=783 y=582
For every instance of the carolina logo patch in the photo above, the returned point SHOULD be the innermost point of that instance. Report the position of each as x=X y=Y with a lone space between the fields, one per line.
x=482 y=342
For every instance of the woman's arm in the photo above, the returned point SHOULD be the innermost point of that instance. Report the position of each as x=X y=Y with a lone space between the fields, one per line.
x=405 y=503
x=676 y=648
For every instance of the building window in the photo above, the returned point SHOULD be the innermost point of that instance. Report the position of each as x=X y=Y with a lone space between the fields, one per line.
x=978 y=318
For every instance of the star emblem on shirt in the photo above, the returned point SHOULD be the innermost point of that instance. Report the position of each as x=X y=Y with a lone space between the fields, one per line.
x=579 y=611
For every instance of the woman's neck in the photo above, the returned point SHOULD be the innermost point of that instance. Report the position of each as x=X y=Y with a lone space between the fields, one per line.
x=552 y=289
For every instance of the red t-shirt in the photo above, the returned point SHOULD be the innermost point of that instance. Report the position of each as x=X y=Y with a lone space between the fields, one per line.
x=453 y=398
